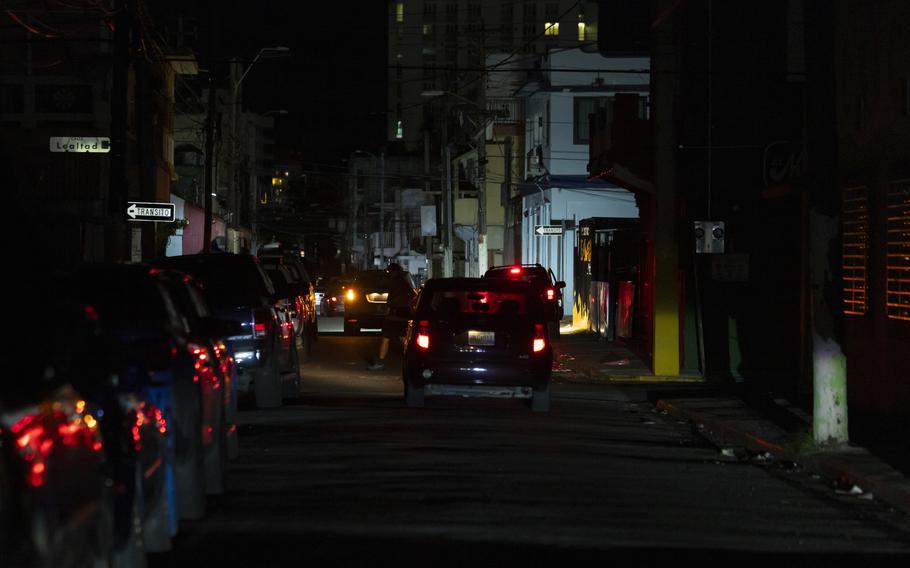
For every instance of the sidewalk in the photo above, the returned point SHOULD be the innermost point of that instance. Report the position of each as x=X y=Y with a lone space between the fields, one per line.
x=741 y=423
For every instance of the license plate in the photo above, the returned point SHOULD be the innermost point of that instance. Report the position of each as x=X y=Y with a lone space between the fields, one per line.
x=481 y=337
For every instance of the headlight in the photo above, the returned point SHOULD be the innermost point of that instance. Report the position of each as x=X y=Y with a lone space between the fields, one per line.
x=350 y=295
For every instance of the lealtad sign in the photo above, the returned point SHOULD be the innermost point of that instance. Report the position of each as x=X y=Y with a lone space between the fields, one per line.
x=79 y=144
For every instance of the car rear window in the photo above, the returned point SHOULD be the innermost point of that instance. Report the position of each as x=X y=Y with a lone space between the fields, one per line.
x=537 y=276
x=469 y=302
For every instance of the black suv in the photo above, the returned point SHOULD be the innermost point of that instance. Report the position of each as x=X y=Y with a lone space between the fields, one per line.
x=544 y=281
x=365 y=300
x=478 y=336
x=238 y=290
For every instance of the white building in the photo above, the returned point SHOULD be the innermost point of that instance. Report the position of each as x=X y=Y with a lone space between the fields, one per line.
x=572 y=85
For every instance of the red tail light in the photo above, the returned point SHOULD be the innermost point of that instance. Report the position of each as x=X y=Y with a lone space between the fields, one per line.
x=423 y=335
x=540 y=339
x=551 y=293
x=515 y=270
x=260 y=322
x=204 y=366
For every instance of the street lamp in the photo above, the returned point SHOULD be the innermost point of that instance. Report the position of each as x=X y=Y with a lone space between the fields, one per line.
x=381 y=159
x=277 y=51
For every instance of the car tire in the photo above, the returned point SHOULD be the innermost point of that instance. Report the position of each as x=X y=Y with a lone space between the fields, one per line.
x=190 y=458
x=413 y=396
x=291 y=389
x=216 y=459
x=540 y=398
x=267 y=384
x=132 y=553
x=156 y=528
x=304 y=345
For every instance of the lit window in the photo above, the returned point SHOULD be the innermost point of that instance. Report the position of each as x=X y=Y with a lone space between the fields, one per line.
x=399 y=130
x=855 y=249
x=898 y=250
x=551 y=29
x=581 y=31
x=428 y=29
x=399 y=12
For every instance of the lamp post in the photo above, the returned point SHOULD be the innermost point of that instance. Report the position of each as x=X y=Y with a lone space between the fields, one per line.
x=277 y=51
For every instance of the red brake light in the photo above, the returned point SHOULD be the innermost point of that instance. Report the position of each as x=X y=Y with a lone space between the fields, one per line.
x=540 y=340
x=551 y=293
x=259 y=330
x=515 y=270
x=423 y=335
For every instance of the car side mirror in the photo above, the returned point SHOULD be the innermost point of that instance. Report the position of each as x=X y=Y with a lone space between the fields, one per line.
x=560 y=284
x=215 y=327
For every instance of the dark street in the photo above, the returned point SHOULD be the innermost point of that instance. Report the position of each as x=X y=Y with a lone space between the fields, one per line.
x=347 y=474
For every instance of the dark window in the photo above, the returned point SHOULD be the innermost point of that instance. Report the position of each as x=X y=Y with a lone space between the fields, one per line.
x=507 y=11
x=75 y=99
x=530 y=11
x=12 y=99
x=584 y=107
x=551 y=11
x=429 y=11
x=451 y=12
x=474 y=10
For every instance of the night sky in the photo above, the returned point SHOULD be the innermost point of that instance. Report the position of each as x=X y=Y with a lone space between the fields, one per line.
x=333 y=85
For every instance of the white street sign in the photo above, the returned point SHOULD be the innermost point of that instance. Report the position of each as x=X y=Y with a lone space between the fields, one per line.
x=79 y=144
x=548 y=230
x=159 y=212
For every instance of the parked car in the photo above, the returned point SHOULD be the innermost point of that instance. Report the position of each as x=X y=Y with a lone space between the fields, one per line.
x=333 y=302
x=478 y=336
x=289 y=301
x=237 y=289
x=544 y=281
x=135 y=307
x=275 y=254
x=113 y=382
x=215 y=370
x=365 y=301
x=56 y=499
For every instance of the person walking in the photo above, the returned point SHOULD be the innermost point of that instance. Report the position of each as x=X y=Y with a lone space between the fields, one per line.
x=401 y=295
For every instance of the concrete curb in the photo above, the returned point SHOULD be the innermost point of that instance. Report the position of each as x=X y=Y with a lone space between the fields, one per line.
x=854 y=465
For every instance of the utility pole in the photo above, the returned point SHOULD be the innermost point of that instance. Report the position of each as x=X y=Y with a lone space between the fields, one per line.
x=825 y=325
x=117 y=227
x=209 y=165
x=482 y=201
x=428 y=240
x=506 y=198
x=382 y=208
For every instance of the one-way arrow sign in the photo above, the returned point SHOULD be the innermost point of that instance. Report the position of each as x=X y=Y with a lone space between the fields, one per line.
x=548 y=229
x=158 y=212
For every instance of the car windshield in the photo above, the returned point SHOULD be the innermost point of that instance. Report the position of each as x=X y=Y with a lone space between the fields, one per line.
x=372 y=279
x=124 y=297
x=503 y=299
x=227 y=283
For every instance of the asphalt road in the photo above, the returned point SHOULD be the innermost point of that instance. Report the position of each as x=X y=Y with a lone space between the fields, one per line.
x=348 y=476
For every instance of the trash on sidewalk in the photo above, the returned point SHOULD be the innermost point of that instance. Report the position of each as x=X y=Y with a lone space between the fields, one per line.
x=617 y=362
